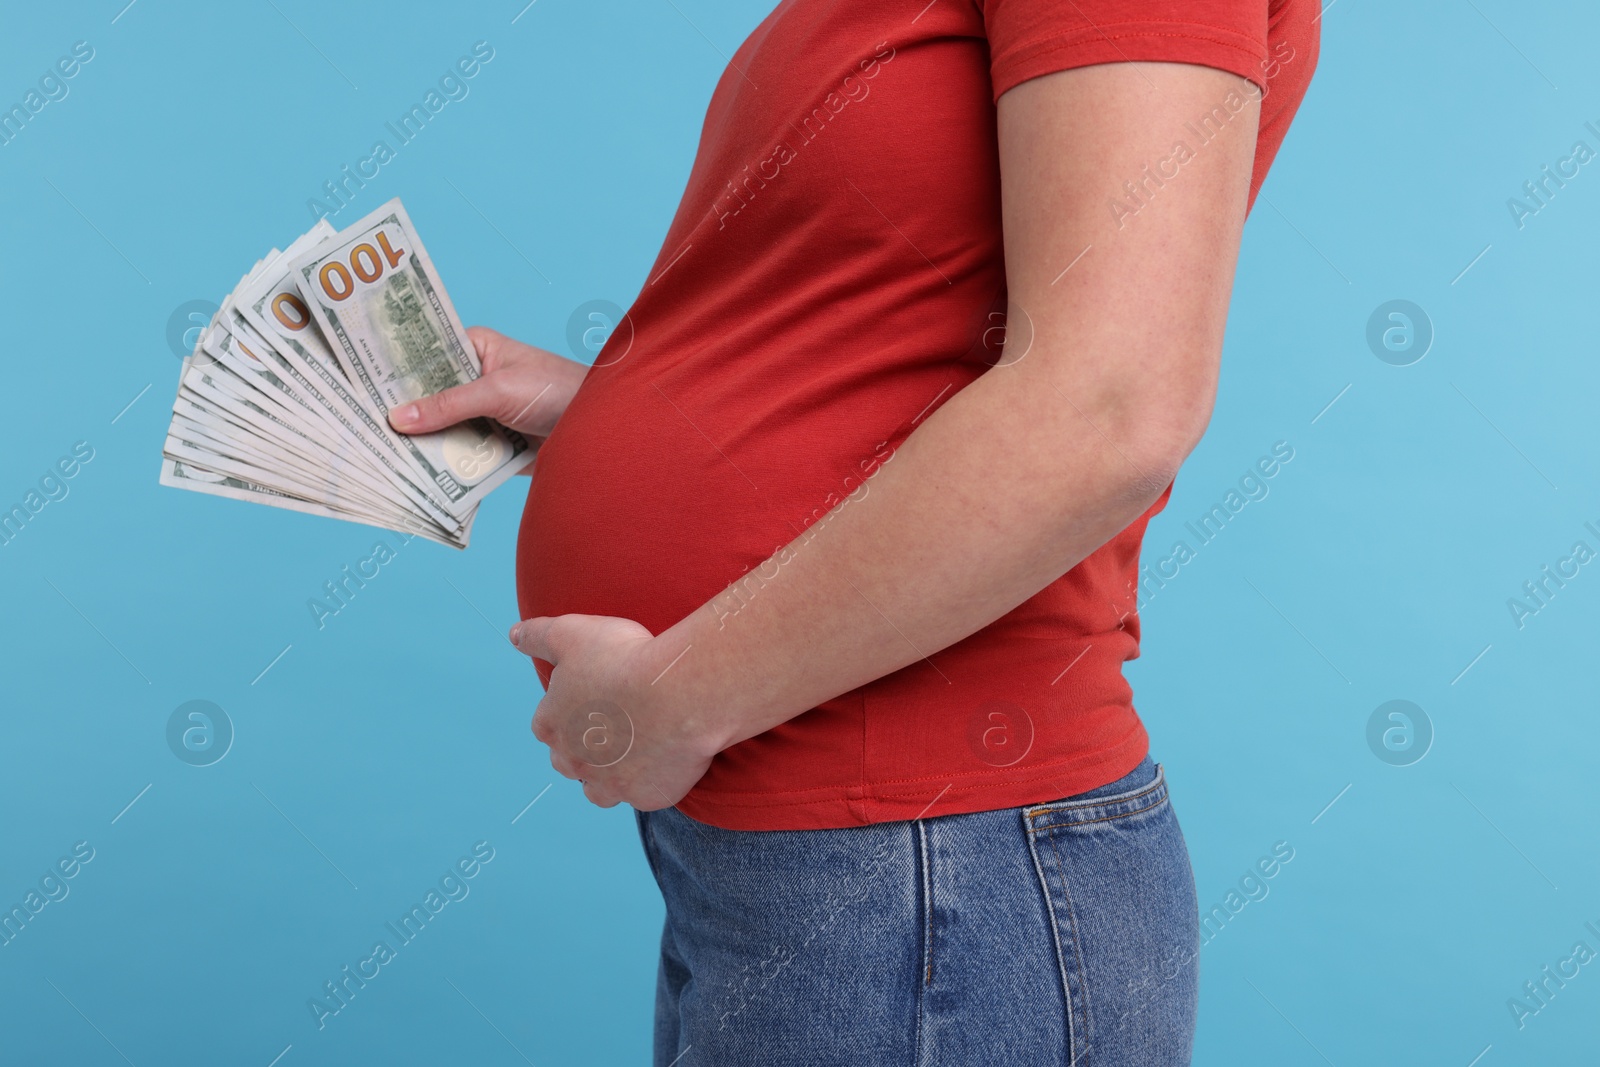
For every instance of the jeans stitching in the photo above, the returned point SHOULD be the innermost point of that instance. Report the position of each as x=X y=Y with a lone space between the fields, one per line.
x=1103 y=818
x=1077 y=951
x=1100 y=802
x=927 y=894
x=1055 y=937
x=920 y=1054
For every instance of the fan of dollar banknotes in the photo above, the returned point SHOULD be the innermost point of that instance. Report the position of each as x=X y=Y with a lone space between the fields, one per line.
x=285 y=399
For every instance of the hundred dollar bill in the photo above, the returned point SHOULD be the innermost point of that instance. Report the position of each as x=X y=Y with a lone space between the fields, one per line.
x=394 y=331
x=318 y=395
x=267 y=410
x=342 y=462
x=233 y=437
x=193 y=434
x=245 y=416
x=181 y=474
x=272 y=309
x=259 y=367
x=208 y=439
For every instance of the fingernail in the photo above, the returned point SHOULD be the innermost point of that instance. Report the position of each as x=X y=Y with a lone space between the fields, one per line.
x=404 y=416
x=516 y=635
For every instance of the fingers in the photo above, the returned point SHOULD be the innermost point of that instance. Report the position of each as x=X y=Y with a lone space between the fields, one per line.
x=599 y=796
x=539 y=637
x=566 y=766
x=572 y=769
x=447 y=407
x=553 y=638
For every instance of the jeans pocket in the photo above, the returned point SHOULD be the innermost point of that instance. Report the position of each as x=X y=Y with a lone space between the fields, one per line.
x=1119 y=892
x=1075 y=810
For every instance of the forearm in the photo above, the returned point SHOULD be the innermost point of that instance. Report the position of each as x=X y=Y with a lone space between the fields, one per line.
x=992 y=498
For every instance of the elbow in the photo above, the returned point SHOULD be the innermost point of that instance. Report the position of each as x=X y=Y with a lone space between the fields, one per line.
x=1139 y=424
x=1156 y=436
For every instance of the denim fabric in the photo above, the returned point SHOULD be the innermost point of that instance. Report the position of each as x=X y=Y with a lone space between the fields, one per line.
x=1059 y=933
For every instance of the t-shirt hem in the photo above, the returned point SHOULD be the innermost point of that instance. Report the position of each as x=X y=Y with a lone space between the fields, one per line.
x=1170 y=42
x=899 y=800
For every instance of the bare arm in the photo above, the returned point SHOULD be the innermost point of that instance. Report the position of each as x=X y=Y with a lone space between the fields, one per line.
x=1007 y=486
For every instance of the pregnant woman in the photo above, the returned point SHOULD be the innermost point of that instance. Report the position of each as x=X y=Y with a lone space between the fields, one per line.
x=830 y=561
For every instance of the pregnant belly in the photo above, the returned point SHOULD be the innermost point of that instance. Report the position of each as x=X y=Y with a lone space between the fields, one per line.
x=676 y=471
x=634 y=513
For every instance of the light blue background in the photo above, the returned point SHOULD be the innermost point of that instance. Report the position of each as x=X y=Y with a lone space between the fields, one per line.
x=377 y=750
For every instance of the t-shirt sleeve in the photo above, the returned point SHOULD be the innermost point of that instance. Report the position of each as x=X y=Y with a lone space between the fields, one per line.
x=1030 y=38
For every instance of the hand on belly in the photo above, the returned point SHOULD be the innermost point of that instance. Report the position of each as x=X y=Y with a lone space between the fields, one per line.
x=606 y=723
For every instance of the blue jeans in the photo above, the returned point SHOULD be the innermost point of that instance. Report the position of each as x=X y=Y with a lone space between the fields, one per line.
x=1059 y=933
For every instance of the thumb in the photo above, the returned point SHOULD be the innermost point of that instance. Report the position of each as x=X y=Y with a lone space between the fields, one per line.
x=532 y=638
x=445 y=408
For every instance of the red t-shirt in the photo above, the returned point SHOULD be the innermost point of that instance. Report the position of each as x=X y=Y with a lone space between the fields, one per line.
x=834 y=273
